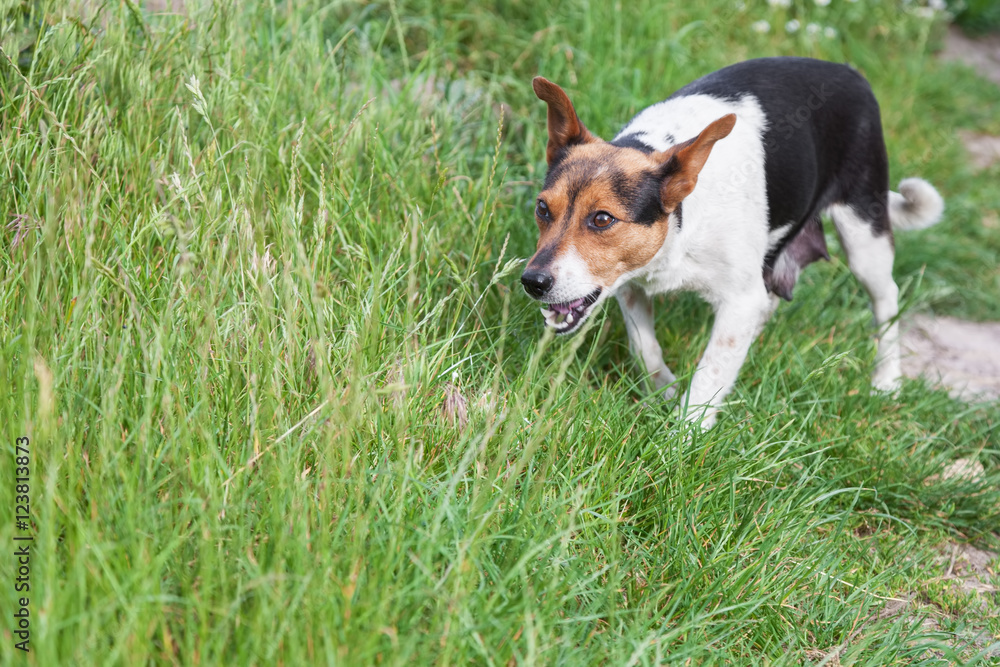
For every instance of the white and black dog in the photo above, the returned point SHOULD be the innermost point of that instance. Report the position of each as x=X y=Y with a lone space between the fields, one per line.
x=719 y=190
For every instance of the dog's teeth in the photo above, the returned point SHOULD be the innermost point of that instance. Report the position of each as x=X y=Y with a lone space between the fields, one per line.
x=569 y=318
x=545 y=312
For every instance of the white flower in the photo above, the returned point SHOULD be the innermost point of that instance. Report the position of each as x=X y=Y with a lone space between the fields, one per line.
x=792 y=26
x=813 y=29
x=761 y=27
x=829 y=32
x=937 y=5
x=822 y=3
x=780 y=3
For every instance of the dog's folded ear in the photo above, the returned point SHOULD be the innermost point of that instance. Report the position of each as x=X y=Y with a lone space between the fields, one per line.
x=682 y=163
x=565 y=128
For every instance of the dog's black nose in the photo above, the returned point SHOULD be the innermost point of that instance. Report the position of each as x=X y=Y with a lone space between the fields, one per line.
x=536 y=283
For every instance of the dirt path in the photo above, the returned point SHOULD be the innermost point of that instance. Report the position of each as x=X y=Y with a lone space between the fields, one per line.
x=981 y=53
x=962 y=356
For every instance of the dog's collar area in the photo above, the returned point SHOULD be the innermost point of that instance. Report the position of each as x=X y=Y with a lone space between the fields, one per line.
x=567 y=316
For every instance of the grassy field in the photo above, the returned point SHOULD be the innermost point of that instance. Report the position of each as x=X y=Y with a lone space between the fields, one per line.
x=287 y=403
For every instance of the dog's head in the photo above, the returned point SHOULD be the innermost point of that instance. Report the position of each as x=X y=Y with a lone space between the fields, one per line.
x=604 y=210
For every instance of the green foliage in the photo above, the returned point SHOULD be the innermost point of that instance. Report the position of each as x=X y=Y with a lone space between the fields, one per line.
x=977 y=16
x=287 y=402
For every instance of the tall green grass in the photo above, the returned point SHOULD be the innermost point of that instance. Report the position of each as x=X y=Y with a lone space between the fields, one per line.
x=288 y=404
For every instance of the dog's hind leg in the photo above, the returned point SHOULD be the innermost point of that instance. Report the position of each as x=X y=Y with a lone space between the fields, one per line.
x=866 y=238
x=637 y=310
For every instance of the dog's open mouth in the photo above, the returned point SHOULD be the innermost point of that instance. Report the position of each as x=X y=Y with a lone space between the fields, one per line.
x=566 y=317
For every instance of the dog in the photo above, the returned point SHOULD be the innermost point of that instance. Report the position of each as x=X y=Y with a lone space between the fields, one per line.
x=719 y=190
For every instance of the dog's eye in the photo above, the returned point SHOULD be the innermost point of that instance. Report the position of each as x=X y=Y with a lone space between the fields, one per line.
x=542 y=209
x=603 y=219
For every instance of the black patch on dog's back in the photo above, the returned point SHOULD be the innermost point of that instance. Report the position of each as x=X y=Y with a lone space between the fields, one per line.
x=823 y=140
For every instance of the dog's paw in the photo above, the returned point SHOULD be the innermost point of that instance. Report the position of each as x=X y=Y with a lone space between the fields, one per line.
x=660 y=397
x=886 y=384
x=709 y=418
x=700 y=415
x=667 y=394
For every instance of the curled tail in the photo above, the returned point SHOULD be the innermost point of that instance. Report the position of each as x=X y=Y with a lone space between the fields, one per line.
x=917 y=205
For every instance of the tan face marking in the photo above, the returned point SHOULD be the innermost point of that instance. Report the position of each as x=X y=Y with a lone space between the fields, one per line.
x=598 y=178
x=604 y=210
x=638 y=190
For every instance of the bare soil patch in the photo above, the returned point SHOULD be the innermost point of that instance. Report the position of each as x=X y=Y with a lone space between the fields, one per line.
x=981 y=53
x=962 y=356
x=984 y=149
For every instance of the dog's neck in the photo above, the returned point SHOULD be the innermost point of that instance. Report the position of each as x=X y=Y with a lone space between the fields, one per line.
x=662 y=273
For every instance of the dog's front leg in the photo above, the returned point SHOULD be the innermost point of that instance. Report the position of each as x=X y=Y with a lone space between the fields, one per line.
x=637 y=309
x=738 y=319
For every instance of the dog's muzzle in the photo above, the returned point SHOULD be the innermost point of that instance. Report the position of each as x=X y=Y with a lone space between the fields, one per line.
x=568 y=316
